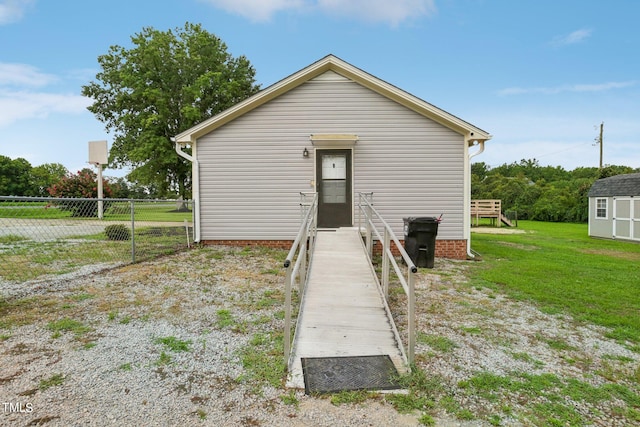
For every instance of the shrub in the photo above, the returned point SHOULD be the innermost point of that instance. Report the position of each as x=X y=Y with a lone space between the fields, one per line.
x=117 y=232
x=83 y=185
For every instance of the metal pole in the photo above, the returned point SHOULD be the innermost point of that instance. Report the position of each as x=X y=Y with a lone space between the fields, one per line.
x=369 y=219
x=287 y=315
x=133 y=233
x=385 y=263
x=412 y=317
x=302 y=274
x=100 y=192
x=360 y=214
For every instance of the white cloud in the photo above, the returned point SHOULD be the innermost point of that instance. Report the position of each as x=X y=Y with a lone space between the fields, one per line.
x=21 y=105
x=256 y=10
x=23 y=75
x=13 y=10
x=390 y=12
x=572 y=38
x=599 y=87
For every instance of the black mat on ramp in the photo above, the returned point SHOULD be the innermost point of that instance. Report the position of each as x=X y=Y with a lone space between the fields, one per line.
x=335 y=374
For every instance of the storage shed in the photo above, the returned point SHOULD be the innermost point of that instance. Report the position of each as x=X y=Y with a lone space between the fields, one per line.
x=614 y=207
x=335 y=129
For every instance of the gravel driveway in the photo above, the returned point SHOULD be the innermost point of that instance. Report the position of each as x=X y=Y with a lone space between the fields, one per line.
x=178 y=341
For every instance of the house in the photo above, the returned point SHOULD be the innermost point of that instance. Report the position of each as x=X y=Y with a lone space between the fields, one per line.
x=614 y=207
x=334 y=128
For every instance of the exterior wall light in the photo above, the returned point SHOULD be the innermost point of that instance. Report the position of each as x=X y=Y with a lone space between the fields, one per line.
x=305 y=152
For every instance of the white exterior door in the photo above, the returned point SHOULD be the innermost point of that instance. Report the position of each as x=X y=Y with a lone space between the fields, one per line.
x=624 y=219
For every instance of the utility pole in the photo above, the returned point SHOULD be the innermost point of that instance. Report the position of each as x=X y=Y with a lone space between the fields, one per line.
x=600 y=141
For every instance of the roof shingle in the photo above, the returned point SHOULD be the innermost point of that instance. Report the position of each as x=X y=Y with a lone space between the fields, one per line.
x=619 y=185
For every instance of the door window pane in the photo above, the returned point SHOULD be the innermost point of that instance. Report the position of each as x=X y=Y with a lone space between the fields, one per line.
x=334 y=166
x=334 y=191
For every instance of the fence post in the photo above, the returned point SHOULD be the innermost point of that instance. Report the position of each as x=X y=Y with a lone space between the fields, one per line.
x=133 y=233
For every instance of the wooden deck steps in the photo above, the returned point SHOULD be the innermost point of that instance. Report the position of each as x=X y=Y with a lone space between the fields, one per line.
x=343 y=311
x=489 y=209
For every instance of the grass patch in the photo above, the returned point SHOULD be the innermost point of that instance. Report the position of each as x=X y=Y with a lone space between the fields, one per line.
x=10 y=239
x=174 y=344
x=471 y=330
x=593 y=280
x=68 y=325
x=164 y=359
x=201 y=414
x=423 y=393
x=262 y=361
x=408 y=403
x=351 y=397
x=556 y=392
x=436 y=342
x=117 y=211
x=52 y=381
x=526 y=357
x=225 y=320
x=82 y=297
x=290 y=399
x=269 y=299
x=27 y=310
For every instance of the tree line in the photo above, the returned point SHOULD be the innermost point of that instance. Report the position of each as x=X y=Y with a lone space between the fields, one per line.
x=542 y=193
x=19 y=178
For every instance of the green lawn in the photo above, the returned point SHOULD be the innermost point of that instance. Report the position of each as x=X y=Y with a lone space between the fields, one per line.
x=561 y=269
x=115 y=211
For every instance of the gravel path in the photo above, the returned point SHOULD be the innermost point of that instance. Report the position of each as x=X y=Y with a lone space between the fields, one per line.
x=166 y=343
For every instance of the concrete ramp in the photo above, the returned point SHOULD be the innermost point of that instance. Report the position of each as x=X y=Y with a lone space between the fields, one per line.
x=343 y=311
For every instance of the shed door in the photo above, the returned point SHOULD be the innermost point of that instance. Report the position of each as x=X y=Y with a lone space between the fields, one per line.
x=626 y=224
x=622 y=218
x=333 y=184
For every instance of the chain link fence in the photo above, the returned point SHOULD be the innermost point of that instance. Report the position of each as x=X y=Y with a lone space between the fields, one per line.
x=41 y=238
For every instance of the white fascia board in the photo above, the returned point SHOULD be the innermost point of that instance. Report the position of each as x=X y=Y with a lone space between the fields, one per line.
x=470 y=132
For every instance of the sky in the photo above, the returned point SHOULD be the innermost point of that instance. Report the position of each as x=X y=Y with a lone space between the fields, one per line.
x=539 y=75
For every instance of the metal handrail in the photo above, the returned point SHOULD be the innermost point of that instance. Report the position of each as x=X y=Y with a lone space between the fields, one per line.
x=365 y=208
x=298 y=261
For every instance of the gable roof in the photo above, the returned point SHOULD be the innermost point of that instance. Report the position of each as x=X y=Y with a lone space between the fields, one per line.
x=618 y=185
x=335 y=64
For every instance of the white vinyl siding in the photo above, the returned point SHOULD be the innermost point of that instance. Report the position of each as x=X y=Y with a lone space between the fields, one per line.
x=252 y=169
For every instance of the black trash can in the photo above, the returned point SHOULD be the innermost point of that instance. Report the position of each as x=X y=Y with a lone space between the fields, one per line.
x=420 y=240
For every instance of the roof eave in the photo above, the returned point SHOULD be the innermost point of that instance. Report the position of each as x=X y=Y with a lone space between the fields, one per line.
x=332 y=63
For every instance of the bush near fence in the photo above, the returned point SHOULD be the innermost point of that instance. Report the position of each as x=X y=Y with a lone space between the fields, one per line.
x=41 y=238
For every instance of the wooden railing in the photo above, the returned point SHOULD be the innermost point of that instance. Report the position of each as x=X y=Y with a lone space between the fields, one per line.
x=484 y=208
x=488 y=209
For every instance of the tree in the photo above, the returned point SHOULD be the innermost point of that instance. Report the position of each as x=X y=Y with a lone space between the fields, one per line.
x=612 y=170
x=166 y=83
x=45 y=176
x=15 y=176
x=82 y=185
